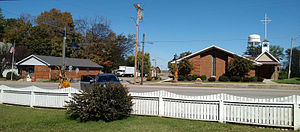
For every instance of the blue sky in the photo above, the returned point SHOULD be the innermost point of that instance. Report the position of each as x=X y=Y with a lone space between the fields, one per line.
x=176 y=26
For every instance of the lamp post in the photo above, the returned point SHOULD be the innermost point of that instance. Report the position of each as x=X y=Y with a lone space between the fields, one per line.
x=176 y=69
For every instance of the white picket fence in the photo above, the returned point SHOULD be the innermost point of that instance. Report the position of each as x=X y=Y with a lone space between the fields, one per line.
x=36 y=97
x=278 y=112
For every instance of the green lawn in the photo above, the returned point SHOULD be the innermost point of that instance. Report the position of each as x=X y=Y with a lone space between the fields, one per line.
x=289 y=81
x=20 y=119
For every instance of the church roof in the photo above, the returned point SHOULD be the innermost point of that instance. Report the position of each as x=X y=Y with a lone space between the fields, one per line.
x=263 y=58
x=216 y=47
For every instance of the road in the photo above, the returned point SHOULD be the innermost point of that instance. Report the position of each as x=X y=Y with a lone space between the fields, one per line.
x=193 y=91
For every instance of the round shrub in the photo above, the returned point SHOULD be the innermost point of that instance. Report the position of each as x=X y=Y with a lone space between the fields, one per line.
x=195 y=76
x=246 y=79
x=15 y=76
x=189 y=78
x=149 y=78
x=235 y=78
x=283 y=75
x=260 y=79
x=212 y=79
x=108 y=103
x=181 y=78
x=223 y=79
x=253 y=79
x=203 y=77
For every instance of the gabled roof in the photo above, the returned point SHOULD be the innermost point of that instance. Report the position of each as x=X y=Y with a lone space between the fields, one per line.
x=275 y=61
x=213 y=46
x=57 y=61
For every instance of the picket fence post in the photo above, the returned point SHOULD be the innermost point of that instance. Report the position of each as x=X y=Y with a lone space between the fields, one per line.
x=296 y=113
x=161 y=108
x=1 y=96
x=221 y=109
x=69 y=96
x=32 y=98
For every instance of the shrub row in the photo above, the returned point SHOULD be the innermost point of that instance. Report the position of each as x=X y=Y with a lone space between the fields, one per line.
x=221 y=78
x=239 y=79
x=191 y=78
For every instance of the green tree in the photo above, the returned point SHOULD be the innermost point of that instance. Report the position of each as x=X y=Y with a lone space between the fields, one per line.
x=239 y=67
x=172 y=66
x=295 y=66
x=103 y=46
x=253 y=51
x=184 y=54
x=5 y=56
x=17 y=31
x=147 y=62
x=275 y=50
x=2 y=24
x=51 y=24
x=184 y=67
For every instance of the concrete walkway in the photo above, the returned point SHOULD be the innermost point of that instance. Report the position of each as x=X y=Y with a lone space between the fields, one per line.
x=268 y=81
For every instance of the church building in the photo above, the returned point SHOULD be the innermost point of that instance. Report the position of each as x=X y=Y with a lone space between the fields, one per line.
x=213 y=61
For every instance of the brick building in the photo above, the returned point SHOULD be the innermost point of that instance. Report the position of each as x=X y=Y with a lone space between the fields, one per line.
x=213 y=61
x=45 y=67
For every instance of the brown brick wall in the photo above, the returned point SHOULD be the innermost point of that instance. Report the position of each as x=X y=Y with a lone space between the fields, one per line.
x=196 y=64
x=42 y=72
x=203 y=63
x=76 y=76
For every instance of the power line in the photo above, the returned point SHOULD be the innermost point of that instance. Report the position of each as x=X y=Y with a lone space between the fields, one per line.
x=184 y=41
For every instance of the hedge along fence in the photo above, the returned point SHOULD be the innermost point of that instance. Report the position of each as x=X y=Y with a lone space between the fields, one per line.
x=279 y=112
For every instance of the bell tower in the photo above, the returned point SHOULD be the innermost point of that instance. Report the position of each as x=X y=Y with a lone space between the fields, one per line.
x=265 y=46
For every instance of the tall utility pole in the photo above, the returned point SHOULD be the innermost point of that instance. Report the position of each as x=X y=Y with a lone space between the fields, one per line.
x=139 y=16
x=64 y=48
x=290 y=63
x=12 y=60
x=142 y=73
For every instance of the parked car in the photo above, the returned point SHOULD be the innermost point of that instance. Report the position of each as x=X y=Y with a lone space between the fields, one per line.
x=88 y=82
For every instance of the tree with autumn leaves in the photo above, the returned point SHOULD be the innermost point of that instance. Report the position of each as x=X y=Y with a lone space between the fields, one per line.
x=43 y=35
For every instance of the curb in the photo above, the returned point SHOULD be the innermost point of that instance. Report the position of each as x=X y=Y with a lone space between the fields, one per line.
x=231 y=85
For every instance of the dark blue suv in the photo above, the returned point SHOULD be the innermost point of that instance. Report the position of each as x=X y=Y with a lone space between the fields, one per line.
x=90 y=81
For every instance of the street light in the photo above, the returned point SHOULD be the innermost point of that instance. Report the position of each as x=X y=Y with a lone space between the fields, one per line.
x=175 y=73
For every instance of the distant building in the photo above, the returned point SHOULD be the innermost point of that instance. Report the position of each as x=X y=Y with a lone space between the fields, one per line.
x=45 y=67
x=213 y=61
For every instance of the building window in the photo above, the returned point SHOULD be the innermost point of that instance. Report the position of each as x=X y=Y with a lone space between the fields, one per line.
x=29 y=70
x=214 y=64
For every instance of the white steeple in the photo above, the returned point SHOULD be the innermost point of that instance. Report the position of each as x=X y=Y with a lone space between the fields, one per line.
x=265 y=46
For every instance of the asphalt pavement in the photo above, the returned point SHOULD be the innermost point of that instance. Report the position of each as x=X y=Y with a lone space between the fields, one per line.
x=192 y=91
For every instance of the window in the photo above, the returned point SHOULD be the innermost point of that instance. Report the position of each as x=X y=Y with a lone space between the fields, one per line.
x=214 y=64
x=29 y=70
x=265 y=45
